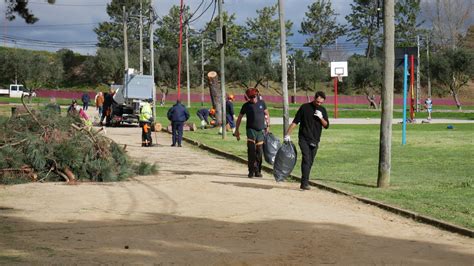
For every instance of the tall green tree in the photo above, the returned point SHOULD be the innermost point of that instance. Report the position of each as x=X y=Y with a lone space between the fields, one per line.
x=166 y=45
x=39 y=69
x=259 y=68
x=167 y=30
x=110 y=33
x=453 y=69
x=321 y=26
x=108 y=66
x=264 y=30
x=366 y=75
x=364 y=26
x=407 y=22
x=235 y=36
x=309 y=73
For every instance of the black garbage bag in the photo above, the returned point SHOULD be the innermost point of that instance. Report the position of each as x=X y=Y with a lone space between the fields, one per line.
x=271 y=145
x=285 y=161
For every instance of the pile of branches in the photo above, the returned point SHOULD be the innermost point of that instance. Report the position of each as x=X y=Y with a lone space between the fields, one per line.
x=43 y=145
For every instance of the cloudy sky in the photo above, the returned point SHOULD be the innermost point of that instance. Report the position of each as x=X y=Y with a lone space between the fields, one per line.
x=70 y=23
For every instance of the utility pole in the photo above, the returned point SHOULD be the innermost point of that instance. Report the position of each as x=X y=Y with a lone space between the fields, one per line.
x=202 y=70
x=284 y=78
x=125 y=43
x=418 y=75
x=141 y=40
x=294 y=78
x=152 y=58
x=187 y=66
x=16 y=65
x=221 y=26
x=428 y=64
x=385 y=148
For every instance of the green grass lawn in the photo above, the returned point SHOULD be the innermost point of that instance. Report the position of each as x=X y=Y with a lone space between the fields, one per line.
x=349 y=111
x=433 y=174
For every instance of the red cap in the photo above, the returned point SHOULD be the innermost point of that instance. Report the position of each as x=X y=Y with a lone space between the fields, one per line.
x=251 y=93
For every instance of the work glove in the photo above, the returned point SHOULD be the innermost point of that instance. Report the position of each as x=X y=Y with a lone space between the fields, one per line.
x=287 y=138
x=318 y=114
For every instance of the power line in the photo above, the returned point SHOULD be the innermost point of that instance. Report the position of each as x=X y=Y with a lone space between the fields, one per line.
x=77 y=5
x=212 y=16
x=203 y=12
x=35 y=42
x=52 y=25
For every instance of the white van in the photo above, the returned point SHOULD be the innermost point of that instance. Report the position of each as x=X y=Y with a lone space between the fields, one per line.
x=17 y=90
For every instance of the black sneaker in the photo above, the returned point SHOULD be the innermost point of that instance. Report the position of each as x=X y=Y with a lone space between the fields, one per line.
x=258 y=174
x=306 y=187
x=173 y=145
x=250 y=175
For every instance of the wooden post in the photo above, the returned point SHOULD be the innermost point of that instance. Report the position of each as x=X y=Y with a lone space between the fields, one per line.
x=216 y=95
x=284 y=77
x=412 y=86
x=385 y=144
x=335 y=97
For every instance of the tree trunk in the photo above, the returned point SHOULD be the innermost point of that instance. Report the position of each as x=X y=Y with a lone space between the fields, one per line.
x=456 y=99
x=216 y=95
x=164 y=93
x=372 y=102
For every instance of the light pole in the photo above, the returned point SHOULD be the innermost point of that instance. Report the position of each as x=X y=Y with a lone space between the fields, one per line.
x=125 y=41
x=16 y=65
x=152 y=58
x=221 y=26
x=187 y=66
x=284 y=78
x=141 y=40
x=202 y=70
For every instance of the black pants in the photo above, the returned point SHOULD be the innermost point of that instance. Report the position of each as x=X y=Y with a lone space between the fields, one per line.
x=201 y=117
x=146 y=134
x=177 y=132
x=107 y=114
x=254 y=155
x=308 y=151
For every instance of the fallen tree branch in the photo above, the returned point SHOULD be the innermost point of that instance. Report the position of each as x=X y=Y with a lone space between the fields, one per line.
x=31 y=113
x=50 y=169
x=63 y=175
x=13 y=144
x=25 y=169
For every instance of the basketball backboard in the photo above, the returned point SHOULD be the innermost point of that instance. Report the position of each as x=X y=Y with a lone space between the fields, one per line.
x=339 y=69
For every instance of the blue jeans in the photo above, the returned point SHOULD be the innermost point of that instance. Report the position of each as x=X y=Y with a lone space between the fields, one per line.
x=230 y=120
x=177 y=132
x=100 y=109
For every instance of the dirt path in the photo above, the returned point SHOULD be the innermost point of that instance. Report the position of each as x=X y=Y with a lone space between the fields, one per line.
x=201 y=210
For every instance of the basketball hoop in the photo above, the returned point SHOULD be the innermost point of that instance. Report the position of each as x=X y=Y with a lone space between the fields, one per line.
x=339 y=78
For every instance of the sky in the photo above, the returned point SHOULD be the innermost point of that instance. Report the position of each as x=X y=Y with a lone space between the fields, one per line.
x=70 y=23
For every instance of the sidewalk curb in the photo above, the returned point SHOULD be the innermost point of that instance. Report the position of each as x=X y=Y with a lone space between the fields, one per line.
x=399 y=211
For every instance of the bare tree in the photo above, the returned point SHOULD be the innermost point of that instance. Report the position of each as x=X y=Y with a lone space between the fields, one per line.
x=449 y=19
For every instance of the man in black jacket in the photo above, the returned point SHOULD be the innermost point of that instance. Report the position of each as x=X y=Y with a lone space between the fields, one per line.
x=107 y=107
x=313 y=117
x=178 y=114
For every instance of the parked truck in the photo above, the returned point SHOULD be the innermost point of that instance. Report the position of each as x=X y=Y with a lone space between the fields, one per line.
x=14 y=91
x=129 y=97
